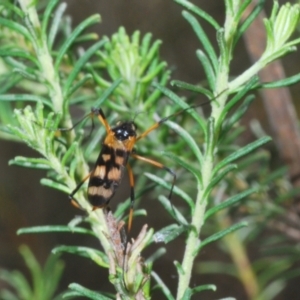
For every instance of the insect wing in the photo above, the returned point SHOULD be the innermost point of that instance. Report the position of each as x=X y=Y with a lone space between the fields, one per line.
x=106 y=176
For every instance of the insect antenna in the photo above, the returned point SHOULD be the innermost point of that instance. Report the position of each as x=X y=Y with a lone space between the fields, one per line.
x=90 y=115
x=161 y=166
x=190 y=107
x=161 y=121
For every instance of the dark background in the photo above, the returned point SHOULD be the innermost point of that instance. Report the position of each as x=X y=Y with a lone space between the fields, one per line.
x=24 y=202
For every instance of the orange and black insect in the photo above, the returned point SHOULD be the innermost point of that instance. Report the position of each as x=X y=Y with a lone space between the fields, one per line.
x=106 y=175
x=117 y=147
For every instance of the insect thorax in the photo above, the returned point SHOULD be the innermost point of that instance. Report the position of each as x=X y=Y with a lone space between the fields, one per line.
x=124 y=130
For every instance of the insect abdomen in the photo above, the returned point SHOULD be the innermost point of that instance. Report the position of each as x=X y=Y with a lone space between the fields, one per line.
x=106 y=175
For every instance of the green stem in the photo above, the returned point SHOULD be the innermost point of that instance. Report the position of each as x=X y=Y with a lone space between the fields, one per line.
x=48 y=73
x=244 y=77
x=193 y=240
x=206 y=171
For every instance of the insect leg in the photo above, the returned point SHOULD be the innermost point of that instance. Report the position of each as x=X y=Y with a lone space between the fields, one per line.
x=161 y=166
x=153 y=127
x=101 y=117
x=71 y=196
x=94 y=111
x=157 y=124
x=131 y=181
x=161 y=121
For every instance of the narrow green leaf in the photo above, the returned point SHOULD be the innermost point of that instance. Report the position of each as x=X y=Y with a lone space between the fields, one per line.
x=219 y=235
x=242 y=9
x=33 y=266
x=80 y=99
x=79 y=250
x=169 y=207
x=162 y=286
x=179 y=267
x=148 y=103
x=55 y=185
x=18 y=64
x=156 y=255
x=53 y=269
x=26 y=75
x=187 y=165
x=6 y=294
x=16 y=132
x=201 y=13
x=217 y=178
x=190 y=292
x=216 y=267
x=193 y=88
x=251 y=17
x=69 y=295
x=47 y=15
x=79 y=84
x=144 y=48
x=25 y=97
x=98 y=78
x=191 y=143
x=39 y=114
x=187 y=294
x=65 y=47
x=136 y=213
x=80 y=64
x=291 y=274
x=204 y=287
x=177 y=100
x=12 y=52
x=168 y=233
x=277 y=268
x=57 y=228
x=88 y=37
x=37 y=163
x=150 y=55
x=10 y=81
x=280 y=83
x=13 y=8
x=241 y=152
x=176 y=190
x=97 y=256
x=229 y=202
x=273 y=289
x=69 y=154
x=203 y=39
x=249 y=85
x=243 y=108
x=208 y=69
x=17 y=27
x=261 y=157
x=230 y=140
x=56 y=21
x=18 y=281
x=107 y=93
x=87 y=292
x=151 y=74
